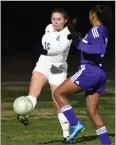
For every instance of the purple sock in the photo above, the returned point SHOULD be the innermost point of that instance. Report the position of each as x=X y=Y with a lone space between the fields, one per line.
x=70 y=115
x=103 y=136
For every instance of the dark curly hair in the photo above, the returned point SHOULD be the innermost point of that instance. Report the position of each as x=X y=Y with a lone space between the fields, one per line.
x=104 y=14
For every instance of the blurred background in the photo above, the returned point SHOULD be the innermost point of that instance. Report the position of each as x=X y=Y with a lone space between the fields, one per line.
x=23 y=24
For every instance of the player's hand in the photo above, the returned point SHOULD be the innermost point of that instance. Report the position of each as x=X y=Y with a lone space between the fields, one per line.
x=75 y=40
x=43 y=51
x=69 y=36
x=23 y=119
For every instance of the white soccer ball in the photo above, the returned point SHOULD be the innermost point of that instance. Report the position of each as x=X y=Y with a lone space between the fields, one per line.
x=22 y=106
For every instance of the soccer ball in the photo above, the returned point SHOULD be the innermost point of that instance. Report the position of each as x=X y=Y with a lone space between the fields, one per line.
x=22 y=106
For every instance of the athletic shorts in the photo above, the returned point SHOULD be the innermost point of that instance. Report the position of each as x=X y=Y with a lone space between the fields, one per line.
x=90 y=78
x=56 y=73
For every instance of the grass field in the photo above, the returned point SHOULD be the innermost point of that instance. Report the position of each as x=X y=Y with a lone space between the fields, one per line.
x=44 y=127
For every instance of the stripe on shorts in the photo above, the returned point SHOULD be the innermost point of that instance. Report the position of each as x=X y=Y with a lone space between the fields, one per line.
x=75 y=76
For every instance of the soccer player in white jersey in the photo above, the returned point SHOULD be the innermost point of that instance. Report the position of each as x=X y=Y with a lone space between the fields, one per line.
x=52 y=66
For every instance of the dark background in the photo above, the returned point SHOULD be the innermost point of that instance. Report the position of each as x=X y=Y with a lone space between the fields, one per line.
x=23 y=24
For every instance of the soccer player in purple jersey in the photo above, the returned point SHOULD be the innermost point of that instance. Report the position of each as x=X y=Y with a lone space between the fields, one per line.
x=90 y=76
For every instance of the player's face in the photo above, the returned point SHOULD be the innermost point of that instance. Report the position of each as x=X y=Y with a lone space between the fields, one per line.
x=58 y=21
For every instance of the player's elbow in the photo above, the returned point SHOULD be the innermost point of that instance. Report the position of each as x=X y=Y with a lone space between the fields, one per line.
x=101 y=51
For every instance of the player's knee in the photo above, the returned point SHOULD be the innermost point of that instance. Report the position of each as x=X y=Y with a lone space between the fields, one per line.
x=56 y=94
x=35 y=74
x=92 y=112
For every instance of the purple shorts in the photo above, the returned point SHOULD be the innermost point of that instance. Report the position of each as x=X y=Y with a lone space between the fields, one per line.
x=90 y=78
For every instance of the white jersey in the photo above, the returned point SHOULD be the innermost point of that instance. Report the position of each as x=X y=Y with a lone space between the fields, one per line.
x=57 y=44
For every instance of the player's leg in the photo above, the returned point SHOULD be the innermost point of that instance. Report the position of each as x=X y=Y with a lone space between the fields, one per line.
x=38 y=81
x=55 y=79
x=66 y=88
x=55 y=104
x=69 y=88
x=92 y=103
x=61 y=117
x=75 y=84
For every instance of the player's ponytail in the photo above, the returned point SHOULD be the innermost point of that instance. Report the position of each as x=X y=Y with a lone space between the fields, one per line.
x=104 y=14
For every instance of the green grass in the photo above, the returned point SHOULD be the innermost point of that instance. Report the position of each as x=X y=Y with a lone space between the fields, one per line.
x=44 y=127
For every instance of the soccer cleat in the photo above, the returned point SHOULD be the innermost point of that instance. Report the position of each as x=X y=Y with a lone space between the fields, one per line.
x=75 y=130
x=64 y=140
x=23 y=119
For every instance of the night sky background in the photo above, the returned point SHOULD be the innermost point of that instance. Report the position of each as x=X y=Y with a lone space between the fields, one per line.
x=23 y=24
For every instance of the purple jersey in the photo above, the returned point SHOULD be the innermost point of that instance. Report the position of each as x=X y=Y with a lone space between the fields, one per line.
x=90 y=75
x=93 y=45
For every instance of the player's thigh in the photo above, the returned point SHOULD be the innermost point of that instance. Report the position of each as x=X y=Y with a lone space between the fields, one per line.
x=38 y=80
x=67 y=88
x=56 y=80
